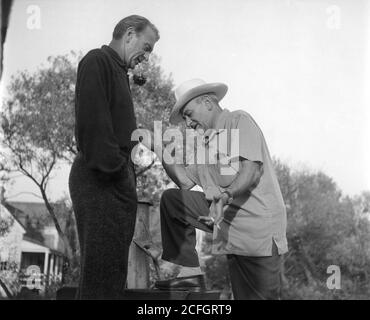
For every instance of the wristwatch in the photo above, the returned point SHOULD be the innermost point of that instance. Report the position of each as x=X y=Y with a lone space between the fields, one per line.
x=229 y=194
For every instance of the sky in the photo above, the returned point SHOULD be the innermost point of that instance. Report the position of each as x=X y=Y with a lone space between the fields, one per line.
x=301 y=68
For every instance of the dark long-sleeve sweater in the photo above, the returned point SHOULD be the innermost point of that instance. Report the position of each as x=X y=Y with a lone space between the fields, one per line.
x=104 y=110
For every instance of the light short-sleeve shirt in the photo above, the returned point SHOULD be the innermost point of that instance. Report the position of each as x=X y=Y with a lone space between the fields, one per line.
x=257 y=218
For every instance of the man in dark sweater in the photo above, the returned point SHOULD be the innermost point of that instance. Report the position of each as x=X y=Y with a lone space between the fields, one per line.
x=102 y=180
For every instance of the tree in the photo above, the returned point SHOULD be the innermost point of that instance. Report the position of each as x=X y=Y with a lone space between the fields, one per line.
x=37 y=122
x=155 y=99
x=323 y=229
x=64 y=212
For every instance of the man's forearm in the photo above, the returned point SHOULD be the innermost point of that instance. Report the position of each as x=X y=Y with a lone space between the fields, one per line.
x=248 y=177
x=176 y=172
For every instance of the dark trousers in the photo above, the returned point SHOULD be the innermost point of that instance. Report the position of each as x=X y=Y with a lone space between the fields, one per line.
x=105 y=212
x=252 y=278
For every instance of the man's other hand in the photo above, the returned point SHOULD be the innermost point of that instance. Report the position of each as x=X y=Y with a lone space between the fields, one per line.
x=216 y=212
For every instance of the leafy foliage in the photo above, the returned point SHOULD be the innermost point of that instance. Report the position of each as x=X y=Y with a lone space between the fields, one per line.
x=5 y=225
x=324 y=228
x=155 y=99
x=37 y=119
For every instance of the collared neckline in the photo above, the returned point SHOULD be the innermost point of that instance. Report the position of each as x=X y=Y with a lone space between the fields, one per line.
x=221 y=121
x=219 y=127
x=115 y=56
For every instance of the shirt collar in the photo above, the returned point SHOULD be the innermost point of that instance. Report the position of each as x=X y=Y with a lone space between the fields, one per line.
x=219 y=127
x=115 y=57
x=221 y=121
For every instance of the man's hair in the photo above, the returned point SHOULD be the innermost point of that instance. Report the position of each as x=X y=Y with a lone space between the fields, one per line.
x=212 y=96
x=139 y=23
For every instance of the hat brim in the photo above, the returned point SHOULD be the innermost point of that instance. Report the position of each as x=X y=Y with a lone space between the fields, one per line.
x=219 y=89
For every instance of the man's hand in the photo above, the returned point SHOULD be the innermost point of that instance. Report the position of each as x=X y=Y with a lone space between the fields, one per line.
x=216 y=210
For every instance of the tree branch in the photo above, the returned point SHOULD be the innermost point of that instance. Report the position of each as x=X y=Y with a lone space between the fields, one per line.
x=44 y=179
x=51 y=211
x=25 y=172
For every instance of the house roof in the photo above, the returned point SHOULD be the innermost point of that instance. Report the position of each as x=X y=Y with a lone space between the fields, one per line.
x=31 y=209
x=12 y=211
x=36 y=211
x=39 y=243
x=38 y=216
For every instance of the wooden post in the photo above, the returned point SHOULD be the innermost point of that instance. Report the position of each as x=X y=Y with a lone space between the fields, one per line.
x=138 y=261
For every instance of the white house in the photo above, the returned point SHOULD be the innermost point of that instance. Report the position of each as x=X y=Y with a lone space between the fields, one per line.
x=27 y=247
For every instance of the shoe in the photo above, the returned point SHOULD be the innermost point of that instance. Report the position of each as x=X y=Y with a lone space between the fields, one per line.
x=192 y=283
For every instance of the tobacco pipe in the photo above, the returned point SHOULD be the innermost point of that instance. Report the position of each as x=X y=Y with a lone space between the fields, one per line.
x=140 y=80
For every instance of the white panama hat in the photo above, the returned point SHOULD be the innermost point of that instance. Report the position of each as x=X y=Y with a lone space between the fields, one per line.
x=191 y=89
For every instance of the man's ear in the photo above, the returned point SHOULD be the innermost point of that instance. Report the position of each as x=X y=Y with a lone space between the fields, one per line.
x=129 y=34
x=208 y=102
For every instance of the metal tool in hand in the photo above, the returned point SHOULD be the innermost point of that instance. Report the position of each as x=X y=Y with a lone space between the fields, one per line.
x=215 y=215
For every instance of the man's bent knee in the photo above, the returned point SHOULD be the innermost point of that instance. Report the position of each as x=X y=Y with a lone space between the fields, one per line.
x=170 y=195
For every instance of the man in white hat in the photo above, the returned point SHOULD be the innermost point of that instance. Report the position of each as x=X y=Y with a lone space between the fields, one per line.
x=243 y=208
